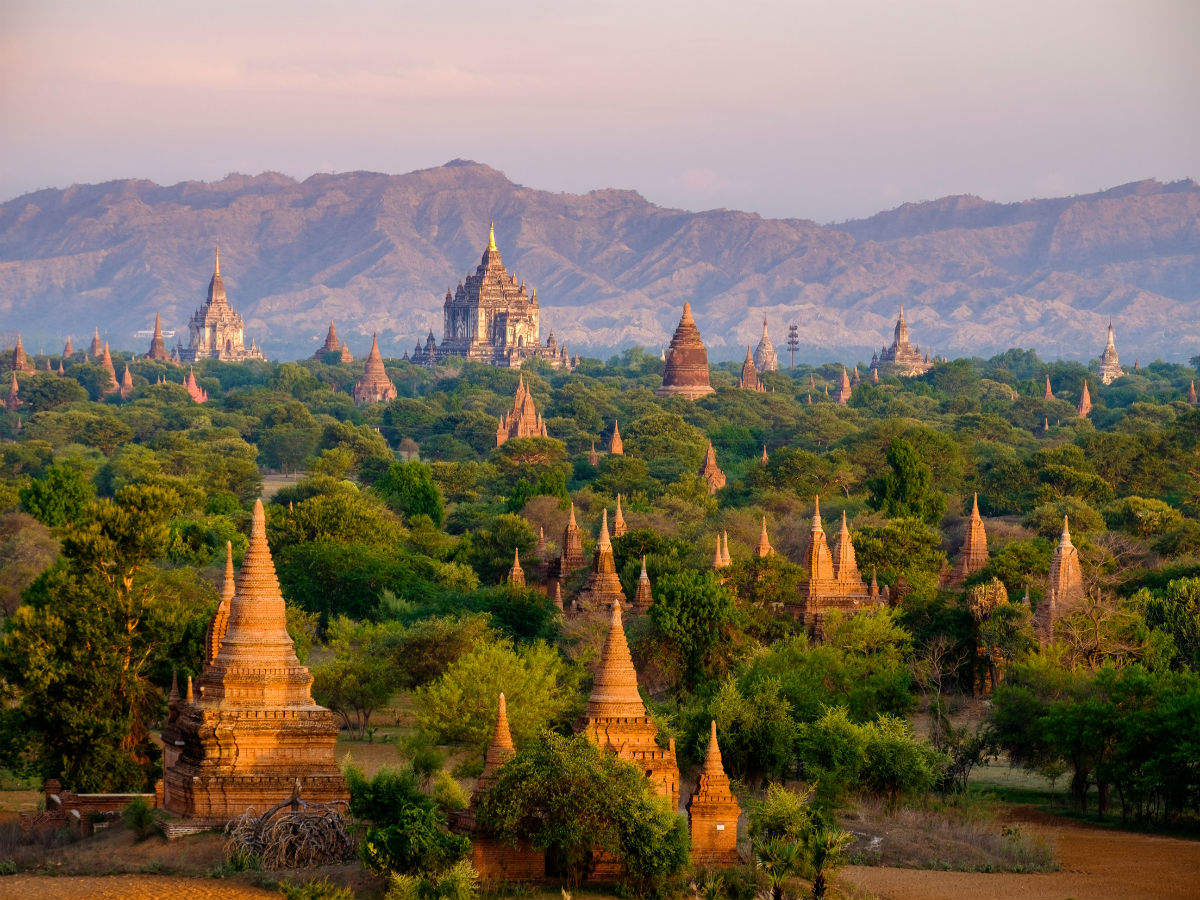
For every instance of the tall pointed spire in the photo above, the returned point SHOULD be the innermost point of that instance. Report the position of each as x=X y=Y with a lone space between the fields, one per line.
x=1048 y=392
x=492 y=237
x=845 y=564
x=571 y=548
x=686 y=371
x=20 y=359
x=220 y=621
x=375 y=386
x=217 y=260
x=603 y=586
x=643 y=598
x=616 y=447
x=615 y=690
x=516 y=575
x=1085 y=401
x=619 y=527
x=763 y=549
x=1064 y=588
x=817 y=558
x=974 y=555
x=710 y=472
x=500 y=750
x=713 y=811
x=112 y=385
x=1191 y=394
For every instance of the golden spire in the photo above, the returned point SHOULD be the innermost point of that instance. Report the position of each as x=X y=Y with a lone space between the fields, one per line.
x=216 y=259
x=492 y=237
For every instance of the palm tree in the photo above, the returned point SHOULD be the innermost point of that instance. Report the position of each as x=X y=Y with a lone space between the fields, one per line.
x=780 y=860
x=824 y=853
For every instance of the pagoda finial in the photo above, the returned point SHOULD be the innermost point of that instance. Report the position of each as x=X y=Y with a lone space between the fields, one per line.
x=712 y=759
x=492 y=236
x=816 y=519
x=216 y=259
x=603 y=542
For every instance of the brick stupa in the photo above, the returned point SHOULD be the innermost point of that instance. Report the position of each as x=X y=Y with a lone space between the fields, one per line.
x=1110 y=363
x=96 y=347
x=523 y=420
x=570 y=556
x=765 y=357
x=1064 y=588
x=749 y=378
x=333 y=345
x=643 y=599
x=616 y=446
x=603 y=587
x=516 y=575
x=374 y=386
x=619 y=527
x=763 y=548
x=617 y=720
x=68 y=349
x=834 y=581
x=974 y=555
x=110 y=385
x=713 y=812
x=253 y=732
x=844 y=390
x=1084 y=407
x=686 y=371
x=158 y=346
x=710 y=472
x=20 y=359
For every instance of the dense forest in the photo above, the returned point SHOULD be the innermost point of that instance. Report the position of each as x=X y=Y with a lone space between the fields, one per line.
x=394 y=537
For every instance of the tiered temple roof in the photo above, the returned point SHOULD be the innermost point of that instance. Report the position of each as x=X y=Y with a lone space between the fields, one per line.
x=1191 y=394
x=523 y=420
x=617 y=720
x=1064 y=589
x=603 y=586
x=1084 y=407
x=20 y=359
x=616 y=446
x=111 y=385
x=571 y=549
x=974 y=555
x=619 y=527
x=516 y=575
x=643 y=598
x=1048 y=392
x=834 y=581
x=1110 y=364
x=158 y=346
x=374 y=386
x=499 y=751
x=254 y=732
x=844 y=389
x=334 y=345
x=96 y=347
x=763 y=549
x=686 y=371
x=710 y=472
x=68 y=349
x=765 y=358
x=14 y=394
x=126 y=389
x=713 y=812
x=197 y=393
x=903 y=357
x=749 y=377
x=217 y=330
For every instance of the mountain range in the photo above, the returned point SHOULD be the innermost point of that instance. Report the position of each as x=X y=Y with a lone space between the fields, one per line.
x=377 y=252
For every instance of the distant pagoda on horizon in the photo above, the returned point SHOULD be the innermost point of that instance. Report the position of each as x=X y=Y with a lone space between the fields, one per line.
x=217 y=330
x=1110 y=364
x=902 y=358
x=492 y=318
x=765 y=357
x=686 y=371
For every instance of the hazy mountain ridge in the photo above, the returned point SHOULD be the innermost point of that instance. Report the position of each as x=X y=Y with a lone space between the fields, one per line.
x=377 y=252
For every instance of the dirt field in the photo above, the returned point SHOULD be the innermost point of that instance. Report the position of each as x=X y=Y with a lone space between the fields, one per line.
x=125 y=887
x=1097 y=864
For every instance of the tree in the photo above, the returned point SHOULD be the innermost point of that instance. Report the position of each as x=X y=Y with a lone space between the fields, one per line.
x=906 y=489
x=758 y=732
x=409 y=489
x=359 y=679
x=457 y=707
x=58 y=496
x=1177 y=612
x=570 y=798
x=690 y=617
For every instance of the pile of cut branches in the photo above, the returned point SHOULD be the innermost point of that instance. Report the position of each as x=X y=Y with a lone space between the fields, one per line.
x=293 y=834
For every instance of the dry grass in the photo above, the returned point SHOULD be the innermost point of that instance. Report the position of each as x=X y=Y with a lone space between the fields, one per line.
x=959 y=838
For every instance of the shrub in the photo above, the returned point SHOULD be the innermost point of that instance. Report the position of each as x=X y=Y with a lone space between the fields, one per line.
x=140 y=818
x=314 y=889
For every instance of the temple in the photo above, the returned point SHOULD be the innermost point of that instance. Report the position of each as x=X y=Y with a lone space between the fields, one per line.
x=834 y=581
x=619 y=527
x=749 y=380
x=68 y=349
x=1084 y=407
x=491 y=318
x=845 y=389
x=195 y=391
x=643 y=598
x=253 y=732
x=1064 y=588
x=158 y=346
x=374 y=386
x=685 y=373
x=710 y=472
x=603 y=587
x=333 y=345
x=974 y=555
x=14 y=394
x=516 y=575
x=616 y=447
x=713 y=812
x=20 y=359
x=765 y=358
x=1110 y=364
x=217 y=331
x=570 y=557
x=110 y=385
x=763 y=548
x=96 y=347
x=902 y=357
x=523 y=420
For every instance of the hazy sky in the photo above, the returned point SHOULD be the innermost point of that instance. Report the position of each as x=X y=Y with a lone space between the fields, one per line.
x=823 y=109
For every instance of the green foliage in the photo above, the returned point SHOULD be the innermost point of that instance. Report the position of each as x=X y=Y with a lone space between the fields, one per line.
x=409 y=489
x=690 y=618
x=58 y=496
x=359 y=679
x=140 y=818
x=314 y=889
x=906 y=489
x=1177 y=612
x=569 y=797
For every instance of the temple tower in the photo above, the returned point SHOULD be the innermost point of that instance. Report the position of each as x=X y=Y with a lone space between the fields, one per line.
x=619 y=527
x=686 y=371
x=616 y=446
x=374 y=386
x=603 y=586
x=1048 y=392
x=111 y=385
x=20 y=359
x=523 y=419
x=902 y=358
x=1084 y=408
x=14 y=394
x=217 y=330
x=571 y=549
x=713 y=812
x=1110 y=365
x=749 y=377
x=817 y=558
x=710 y=472
x=763 y=549
x=333 y=345
x=765 y=358
x=68 y=349
x=126 y=389
x=643 y=598
x=96 y=347
x=158 y=346
x=844 y=389
x=516 y=575
x=1064 y=589
x=974 y=555
x=254 y=731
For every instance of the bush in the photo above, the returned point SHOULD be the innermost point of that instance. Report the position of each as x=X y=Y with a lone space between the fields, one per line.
x=140 y=818
x=314 y=889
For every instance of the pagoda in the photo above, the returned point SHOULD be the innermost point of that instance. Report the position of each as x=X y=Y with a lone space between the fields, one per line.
x=1191 y=394
x=374 y=386
x=20 y=359
x=253 y=735
x=602 y=587
x=333 y=345
x=713 y=812
x=217 y=330
x=721 y=559
x=1048 y=392
x=686 y=371
x=1110 y=364
x=1084 y=407
x=616 y=718
x=763 y=548
x=491 y=318
x=1064 y=589
x=710 y=472
x=516 y=575
x=844 y=389
x=110 y=385
x=749 y=377
x=974 y=555
x=14 y=394
x=834 y=581
x=158 y=346
x=902 y=358
x=571 y=549
x=523 y=420
x=616 y=447
x=765 y=358
x=619 y=527
x=126 y=389
x=68 y=349
x=197 y=393
x=642 y=597
x=95 y=348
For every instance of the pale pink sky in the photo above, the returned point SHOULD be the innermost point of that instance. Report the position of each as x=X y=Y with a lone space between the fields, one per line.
x=823 y=109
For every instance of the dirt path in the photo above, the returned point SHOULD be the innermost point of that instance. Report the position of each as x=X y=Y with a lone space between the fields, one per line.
x=1097 y=864
x=125 y=887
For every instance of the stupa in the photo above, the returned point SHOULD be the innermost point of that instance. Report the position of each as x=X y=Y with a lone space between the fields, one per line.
x=1084 y=407
x=516 y=575
x=68 y=350
x=834 y=581
x=14 y=394
x=710 y=472
x=571 y=549
x=253 y=733
x=523 y=420
x=126 y=389
x=765 y=358
x=686 y=371
x=110 y=385
x=603 y=586
x=1064 y=588
x=96 y=347
x=974 y=555
x=619 y=527
x=713 y=812
x=374 y=386
x=20 y=359
x=844 y=389
x=158 y=346
x=1110 y=364
x=1048 y=392
x=902 y=358
x=749 y=377
x=334 y=345
x=763 y=549
x=643 y=598
x=616 y=447
x=217 y=330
